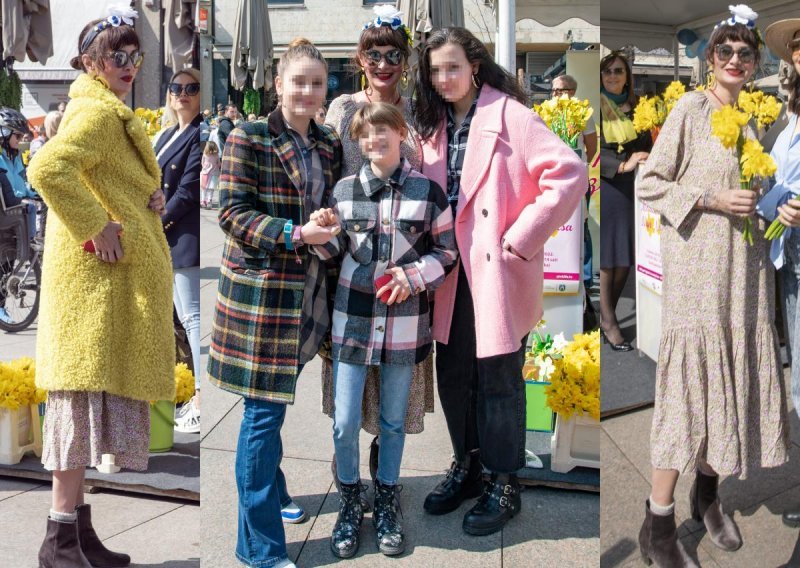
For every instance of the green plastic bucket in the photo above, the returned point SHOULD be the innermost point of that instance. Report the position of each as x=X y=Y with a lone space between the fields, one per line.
x=538 y=416
x=162 y=424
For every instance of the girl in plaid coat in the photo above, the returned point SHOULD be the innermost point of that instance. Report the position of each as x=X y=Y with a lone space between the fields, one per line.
x=272 y=305
x=397 y=244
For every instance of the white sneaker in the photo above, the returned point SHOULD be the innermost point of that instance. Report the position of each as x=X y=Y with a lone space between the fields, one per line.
x=293 y=513
x=187 y=418
x=285 y=564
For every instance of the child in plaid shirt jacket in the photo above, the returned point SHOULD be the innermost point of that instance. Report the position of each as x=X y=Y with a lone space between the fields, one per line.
x=397 y=243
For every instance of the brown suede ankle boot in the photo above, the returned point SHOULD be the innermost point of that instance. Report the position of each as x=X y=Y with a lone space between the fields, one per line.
x=707 y=509
x=659 y=544
x=97 y=554
x=60 y=548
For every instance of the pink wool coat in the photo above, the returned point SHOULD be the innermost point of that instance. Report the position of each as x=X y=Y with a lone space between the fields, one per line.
x=520 y=183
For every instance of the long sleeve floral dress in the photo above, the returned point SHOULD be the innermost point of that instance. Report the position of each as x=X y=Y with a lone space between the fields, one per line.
x=719 y=390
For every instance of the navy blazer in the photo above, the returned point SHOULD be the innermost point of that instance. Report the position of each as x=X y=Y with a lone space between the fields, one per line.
x=180 y=180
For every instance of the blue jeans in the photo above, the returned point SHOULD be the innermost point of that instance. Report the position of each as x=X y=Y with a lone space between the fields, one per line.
x=186 y=296
x=790 y=274
x=348 y=388
x=261 y=541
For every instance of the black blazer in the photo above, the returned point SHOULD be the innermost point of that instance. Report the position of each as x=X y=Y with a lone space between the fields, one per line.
x=180 y=180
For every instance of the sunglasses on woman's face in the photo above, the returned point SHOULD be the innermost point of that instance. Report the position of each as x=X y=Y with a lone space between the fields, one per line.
x=121 y=58
x=725 y=53
x=393 y=57
x=191 y=89
x=608 y=71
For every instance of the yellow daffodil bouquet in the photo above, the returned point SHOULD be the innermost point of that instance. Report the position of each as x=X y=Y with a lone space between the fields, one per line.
x=566 y=117
x=184 y=384
x=17 y=386
x=575 y=381
x=727 y=124
x=651 y=113
x=571 y=367
x=151 y=119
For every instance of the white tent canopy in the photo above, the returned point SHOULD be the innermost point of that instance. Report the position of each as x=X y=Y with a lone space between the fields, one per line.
x=650 y=24
x=554 y=12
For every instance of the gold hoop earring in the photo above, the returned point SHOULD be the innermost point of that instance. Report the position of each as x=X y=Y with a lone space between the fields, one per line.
x=475 y=81
x=363 y=81
x=404 y=80
x=100 y=80
x=711 y=80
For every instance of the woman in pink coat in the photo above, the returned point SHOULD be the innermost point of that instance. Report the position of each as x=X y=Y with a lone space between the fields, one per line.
x=511 y=184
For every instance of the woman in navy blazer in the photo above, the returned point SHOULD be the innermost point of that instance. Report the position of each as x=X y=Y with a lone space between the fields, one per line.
x=179 y=154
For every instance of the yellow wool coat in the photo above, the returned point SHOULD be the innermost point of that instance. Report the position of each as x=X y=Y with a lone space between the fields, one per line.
x=103 y=327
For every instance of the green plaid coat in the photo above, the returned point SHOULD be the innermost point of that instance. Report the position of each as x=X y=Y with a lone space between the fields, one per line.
x=255 y=340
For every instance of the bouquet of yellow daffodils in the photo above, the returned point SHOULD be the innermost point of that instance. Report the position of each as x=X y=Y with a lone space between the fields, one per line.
x=651 y=112
x=184 y=383
x=727 y=125
x=151 y=119
x=17 y=387
x=573 y=370
x=566 y=117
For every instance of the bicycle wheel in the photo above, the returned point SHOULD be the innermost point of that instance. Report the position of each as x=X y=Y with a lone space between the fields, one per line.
x=19 y=291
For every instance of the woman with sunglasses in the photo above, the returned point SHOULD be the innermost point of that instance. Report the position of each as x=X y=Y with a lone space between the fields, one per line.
x=720 y=405
x=105 y=345
x=180 y=156
x=621 y=150
x=382 y=55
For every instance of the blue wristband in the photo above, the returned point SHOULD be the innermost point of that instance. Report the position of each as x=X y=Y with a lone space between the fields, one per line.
x=287 y=235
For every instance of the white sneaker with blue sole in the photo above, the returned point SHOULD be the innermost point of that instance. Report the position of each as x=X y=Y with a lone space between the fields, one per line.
x=293 y=513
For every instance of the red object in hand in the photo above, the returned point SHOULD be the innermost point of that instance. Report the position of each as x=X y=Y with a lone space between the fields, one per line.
x=380 y=283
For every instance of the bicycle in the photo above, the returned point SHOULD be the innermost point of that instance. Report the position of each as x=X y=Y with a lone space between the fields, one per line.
x=20 y=265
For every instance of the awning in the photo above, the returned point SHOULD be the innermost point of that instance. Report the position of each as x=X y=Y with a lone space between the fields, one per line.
x=650 y=24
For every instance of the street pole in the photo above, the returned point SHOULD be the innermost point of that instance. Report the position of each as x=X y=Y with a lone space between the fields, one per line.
x=506 y=35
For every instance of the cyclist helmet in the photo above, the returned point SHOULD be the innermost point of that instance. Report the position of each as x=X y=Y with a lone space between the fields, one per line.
x=12 y=120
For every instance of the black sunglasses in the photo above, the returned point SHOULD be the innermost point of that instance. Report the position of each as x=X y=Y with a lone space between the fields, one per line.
x=725 y=53
x=120 y=58
x=191 y=89
x=608 y=71
x=393 y=57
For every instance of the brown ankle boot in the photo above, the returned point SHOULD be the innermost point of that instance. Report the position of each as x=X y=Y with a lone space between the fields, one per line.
x=658 y=542
x=60 y=548
x=707 y=509
x=97 y=554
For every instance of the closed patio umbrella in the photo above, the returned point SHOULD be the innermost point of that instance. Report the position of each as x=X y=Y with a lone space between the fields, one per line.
x=179 y=36
x=252 y=46
x=423 y=16
x=26 y=29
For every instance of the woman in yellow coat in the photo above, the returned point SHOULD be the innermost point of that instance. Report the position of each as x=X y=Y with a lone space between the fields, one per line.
x=105 y=345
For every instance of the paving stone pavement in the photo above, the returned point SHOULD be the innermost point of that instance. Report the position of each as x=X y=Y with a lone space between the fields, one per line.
x=556 y=528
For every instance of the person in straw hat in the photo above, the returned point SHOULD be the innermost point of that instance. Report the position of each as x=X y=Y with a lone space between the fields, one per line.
x=783 y=39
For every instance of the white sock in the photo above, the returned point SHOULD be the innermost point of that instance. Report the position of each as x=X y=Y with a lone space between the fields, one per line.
x=661 y=510
x=63 y=517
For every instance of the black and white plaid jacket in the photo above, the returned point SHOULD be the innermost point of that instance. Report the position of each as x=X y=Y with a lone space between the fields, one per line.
x=404 y=221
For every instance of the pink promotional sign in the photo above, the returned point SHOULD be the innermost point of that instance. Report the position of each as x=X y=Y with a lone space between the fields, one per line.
x=648 y=256
x=562 y=257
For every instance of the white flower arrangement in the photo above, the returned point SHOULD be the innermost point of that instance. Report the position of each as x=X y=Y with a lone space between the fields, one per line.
x=387 y=14
x=119 y=14
x=742 y=14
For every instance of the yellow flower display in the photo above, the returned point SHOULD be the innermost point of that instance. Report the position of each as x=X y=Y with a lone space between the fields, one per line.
x=26 y=158
x=755 y=162
x=17 y=386
x=575 y=379
x=565 y=116
x=764 y=108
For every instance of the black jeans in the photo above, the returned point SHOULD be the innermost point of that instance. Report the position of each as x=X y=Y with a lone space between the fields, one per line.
x=483 y=399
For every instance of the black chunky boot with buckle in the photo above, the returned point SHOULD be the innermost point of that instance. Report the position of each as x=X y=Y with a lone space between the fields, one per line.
x=463 y=481
x=500 y=501
x=387 y=528
x=345 y=537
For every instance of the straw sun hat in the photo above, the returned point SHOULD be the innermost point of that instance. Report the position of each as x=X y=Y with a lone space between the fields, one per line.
x=779 y=34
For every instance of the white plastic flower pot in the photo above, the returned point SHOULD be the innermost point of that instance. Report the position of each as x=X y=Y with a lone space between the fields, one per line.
x=19 y=434
x=575 y=442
